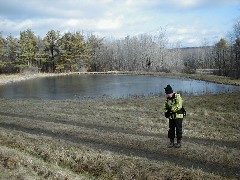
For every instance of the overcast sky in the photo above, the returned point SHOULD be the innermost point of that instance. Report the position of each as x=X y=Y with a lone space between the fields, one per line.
x=190 y=22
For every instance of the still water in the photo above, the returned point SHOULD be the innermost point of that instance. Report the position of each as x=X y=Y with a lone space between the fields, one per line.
x=110 y=86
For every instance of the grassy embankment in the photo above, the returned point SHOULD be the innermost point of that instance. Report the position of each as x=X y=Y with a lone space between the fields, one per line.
x=118 y=139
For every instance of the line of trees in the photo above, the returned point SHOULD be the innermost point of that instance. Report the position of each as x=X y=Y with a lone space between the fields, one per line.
x=223 y=57
x=76 y=51
x=53 y=53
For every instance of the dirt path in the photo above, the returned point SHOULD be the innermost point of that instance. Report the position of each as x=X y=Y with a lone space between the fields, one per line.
x=215 y=168
x=6 y=79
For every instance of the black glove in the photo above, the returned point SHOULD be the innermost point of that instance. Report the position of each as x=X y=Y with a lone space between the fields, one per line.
x=167 y=114
x=168 y=109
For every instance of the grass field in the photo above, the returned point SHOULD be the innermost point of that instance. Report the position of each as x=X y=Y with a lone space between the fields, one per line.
x=118 y=139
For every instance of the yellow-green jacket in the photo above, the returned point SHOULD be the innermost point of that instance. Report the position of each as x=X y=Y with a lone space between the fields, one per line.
x=175 y=105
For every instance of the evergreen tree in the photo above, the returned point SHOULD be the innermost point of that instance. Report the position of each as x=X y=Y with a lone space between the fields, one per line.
x=74 y=52
x=2 y=47
x=27 y=53
x=80 y=52
x=12 y=48
x=52 y=50
x=2 y=53
x=40 y=53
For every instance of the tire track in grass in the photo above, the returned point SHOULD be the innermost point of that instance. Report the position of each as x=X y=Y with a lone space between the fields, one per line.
x=218 y=169
x=108 y=128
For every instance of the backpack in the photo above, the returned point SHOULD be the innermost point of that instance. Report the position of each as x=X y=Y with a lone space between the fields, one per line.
x=184 y=112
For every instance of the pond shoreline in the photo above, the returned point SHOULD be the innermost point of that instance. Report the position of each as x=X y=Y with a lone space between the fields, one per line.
x=12 y=78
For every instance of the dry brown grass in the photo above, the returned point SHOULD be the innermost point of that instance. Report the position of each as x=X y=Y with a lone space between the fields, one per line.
x=118 y=139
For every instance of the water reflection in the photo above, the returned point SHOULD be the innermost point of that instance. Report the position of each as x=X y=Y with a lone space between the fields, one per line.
x=115 y=86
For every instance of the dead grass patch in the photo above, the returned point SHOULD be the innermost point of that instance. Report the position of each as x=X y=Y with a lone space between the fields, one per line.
x=119 y=138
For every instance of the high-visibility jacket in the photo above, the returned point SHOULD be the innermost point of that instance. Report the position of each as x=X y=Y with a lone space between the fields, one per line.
x=174 y=104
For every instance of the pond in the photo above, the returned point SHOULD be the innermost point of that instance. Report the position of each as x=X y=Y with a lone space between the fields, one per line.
x=109 y=86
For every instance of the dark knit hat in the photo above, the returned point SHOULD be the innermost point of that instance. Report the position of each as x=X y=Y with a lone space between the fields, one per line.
x=168 y=89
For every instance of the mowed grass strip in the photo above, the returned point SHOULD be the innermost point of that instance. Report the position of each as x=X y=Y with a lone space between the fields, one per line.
x=15 y=164
x=123 y=140
x=86 y=161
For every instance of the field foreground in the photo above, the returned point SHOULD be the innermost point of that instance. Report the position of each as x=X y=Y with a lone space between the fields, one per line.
x=118 y=139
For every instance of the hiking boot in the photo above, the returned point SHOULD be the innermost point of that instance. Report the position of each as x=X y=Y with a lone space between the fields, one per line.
x=171 y=144
x=178 y=145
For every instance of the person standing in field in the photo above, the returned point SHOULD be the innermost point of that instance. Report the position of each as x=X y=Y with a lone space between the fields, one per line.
x=173 y=110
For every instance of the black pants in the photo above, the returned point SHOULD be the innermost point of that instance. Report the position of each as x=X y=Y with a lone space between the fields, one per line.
x=175 y=124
